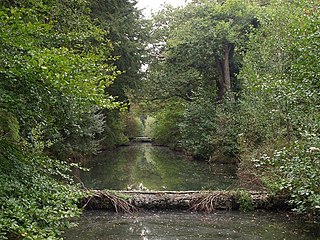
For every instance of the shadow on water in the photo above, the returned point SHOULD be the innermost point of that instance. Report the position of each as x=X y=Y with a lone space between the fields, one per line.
x=157 y=168
x=188 y=226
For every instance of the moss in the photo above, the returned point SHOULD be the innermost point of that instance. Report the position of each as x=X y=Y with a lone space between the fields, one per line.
x=244 y=199
x=121 y=195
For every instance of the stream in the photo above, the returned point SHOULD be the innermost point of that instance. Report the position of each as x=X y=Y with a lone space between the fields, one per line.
x=222 y=225
x=158 y=168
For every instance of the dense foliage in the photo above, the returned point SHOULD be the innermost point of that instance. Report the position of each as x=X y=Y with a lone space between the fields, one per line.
x=165 y=128
x=281 y=77
x=127 y=31
x=225 y=79
x=267 y=117
x=56 y=68
x=34 y=205
x=196 y=59
x=52 y=73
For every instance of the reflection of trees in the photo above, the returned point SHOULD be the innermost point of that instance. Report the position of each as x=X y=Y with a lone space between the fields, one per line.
x=178 y=173
x=113 y=169
x=157 y=168
x=169 y=166
x=145 y=169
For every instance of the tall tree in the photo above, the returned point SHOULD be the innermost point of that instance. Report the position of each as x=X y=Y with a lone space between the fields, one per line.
x=204 y=42
x=127 y=30
x=197 y=52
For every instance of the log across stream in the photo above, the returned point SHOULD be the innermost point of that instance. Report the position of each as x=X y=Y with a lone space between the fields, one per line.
x=206 y=201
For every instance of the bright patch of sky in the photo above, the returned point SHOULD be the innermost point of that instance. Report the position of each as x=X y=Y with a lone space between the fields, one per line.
x=150 y=6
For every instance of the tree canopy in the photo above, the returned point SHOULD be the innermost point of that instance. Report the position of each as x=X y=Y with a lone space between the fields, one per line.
x=56 y=68
x=201 y=45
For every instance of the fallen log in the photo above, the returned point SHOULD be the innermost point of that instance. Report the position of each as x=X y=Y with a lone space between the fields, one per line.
x=206 y=201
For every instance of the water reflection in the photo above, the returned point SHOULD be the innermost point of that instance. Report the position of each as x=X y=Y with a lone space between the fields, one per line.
x=138 y=228
x=161 y=169
x=156 y=168
x=190 y=226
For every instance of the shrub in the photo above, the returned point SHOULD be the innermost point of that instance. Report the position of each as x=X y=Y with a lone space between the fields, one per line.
x=296 y=170
x=34 y=204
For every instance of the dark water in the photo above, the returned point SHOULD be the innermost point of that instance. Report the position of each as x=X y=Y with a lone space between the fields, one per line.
x=156 y=168
x=100 y=225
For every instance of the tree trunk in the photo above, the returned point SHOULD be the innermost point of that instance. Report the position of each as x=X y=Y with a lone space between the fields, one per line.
x=223 y=68
x=226 y=68
x=220 y=80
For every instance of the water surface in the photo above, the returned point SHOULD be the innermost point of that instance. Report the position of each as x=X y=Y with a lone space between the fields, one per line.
x=159 y=168
x=156 y=168
x=222 y=225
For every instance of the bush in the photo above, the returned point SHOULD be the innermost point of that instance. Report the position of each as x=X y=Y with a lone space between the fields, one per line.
x=244 y=199
x=281 y=100
x=198 y=126
x=210 y=128
x=113 y=130
x=295 y=170
x=166 y=129
x=34 y=204
x=133 y=125
x=79 y=137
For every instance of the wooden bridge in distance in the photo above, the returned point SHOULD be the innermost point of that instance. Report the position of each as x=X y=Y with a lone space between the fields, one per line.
x=142 y=139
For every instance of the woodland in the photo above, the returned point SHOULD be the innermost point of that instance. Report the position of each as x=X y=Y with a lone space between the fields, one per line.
x=236 y=81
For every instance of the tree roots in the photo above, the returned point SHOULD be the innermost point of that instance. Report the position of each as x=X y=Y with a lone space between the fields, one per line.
x=109 y=200
x=211 y=202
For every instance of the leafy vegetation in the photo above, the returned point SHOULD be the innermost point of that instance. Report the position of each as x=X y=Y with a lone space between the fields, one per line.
x=165 y=129
x=282 y=93
x=34 y=205
x=244 y=199
x=247 y=76
x=225 y=79
x=127 y=30
x=56 y=68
